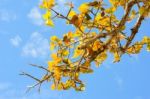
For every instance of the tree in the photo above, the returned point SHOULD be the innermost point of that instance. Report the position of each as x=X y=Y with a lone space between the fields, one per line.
x=97 y=33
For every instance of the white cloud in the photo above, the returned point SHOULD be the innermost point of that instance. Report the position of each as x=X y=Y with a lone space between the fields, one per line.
x=7 y=16
x=35 y=16
x=119 y=81
x=10 y=92
x=4 y=86
x=61 y=7
x=37 y=46
x=16 y=41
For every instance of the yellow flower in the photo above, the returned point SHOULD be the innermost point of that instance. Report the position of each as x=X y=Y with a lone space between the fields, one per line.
x=84 y=8
x=116 y=57
x=49 y=23
x=101 y=58
x=47 y=4
x=60 y=86
x=47 y=18
x=96 y=45
x=148 y=47
x=57 y=73
x=54 y=38
x=110 y=10
x=72 y=13
x=56 y=58
x=52 y=45
x=53 y=87
x=51 y=65
x=65 y=52
x=77 y=53
x=47 y=15
x=146 y=39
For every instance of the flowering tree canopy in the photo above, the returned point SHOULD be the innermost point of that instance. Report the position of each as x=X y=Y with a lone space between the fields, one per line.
x=97 y=32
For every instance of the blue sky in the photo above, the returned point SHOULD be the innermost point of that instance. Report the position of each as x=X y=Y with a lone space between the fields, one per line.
x=24 y=39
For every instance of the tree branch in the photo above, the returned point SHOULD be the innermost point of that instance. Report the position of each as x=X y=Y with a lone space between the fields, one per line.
x=135 y=30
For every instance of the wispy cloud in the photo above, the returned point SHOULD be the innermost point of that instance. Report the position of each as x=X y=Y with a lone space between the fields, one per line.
x=61 y=7
x=7 y=91
x=7 y=16
x=119 y=80
x=35 y=16
x=37 y=46
x=15 y=41
x=4 y=86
